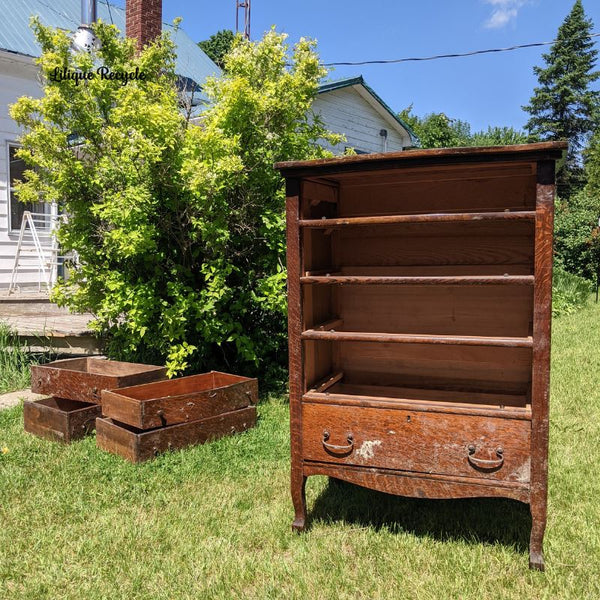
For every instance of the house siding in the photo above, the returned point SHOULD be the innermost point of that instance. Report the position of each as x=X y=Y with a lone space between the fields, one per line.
x=346 y=111
x=18 y=77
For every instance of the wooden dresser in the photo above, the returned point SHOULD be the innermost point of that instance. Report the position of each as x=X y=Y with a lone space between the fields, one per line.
x=420 y=287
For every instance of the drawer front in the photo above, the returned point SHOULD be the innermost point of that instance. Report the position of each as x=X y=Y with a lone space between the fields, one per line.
x=424 y=442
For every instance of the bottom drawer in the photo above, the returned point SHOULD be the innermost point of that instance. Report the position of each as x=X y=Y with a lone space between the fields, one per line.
x=60 y=419
x=137 y=445
x=424 y=442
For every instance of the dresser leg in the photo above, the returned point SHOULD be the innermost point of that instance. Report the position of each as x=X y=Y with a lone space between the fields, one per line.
x=299 y=500
x=538 y=527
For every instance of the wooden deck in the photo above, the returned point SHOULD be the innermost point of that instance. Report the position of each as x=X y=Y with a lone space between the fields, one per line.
x=43 y=326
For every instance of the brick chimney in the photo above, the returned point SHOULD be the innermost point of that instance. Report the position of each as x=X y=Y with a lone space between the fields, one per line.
x=143 y=20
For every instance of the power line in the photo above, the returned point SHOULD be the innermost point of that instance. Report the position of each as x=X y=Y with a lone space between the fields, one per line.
x=438 y=56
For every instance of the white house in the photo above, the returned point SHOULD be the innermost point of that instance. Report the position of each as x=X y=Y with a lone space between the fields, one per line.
x=348 y=106
x=19 y=77
x=351 y=107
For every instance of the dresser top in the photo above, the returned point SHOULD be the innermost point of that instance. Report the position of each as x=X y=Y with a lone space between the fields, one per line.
x=434 y=156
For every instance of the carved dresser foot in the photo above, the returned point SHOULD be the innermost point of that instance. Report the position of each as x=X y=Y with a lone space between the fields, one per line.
x=536 y=561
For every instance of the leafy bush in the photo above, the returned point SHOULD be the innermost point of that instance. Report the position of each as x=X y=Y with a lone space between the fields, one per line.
x=577 y=245
x=569 y=292
x=437 y=130
x=179 y=229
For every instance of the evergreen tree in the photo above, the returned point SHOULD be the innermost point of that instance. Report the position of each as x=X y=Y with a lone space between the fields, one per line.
x=563 y=106
x=218 y=45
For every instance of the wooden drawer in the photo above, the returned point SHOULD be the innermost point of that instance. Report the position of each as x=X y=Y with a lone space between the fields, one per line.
x=59 y=419
x=136 y=445
x=179 y=400
x=424 y=442
x=84 y=379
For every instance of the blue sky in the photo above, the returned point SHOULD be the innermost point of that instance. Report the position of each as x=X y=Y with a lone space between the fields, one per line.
x=483 y=90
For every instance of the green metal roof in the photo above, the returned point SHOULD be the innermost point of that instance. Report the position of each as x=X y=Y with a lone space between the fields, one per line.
x=16 y=35
x=329 y=86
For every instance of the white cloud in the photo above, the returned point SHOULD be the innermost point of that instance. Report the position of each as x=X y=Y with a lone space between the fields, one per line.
x=504 y=12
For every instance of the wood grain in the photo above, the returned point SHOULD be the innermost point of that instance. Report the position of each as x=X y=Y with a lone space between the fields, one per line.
x=413 y=280
x=433 y=157
x=507 y=406
x=60 y=419
x=295 y=321
x=540 y=381
x=83 y=379
x=404 y=338
x=179 y=400
x=493 y=310
x=421 y=218
x=416 y=441
x=137 y=446
x=420 y=303
x=420 y=485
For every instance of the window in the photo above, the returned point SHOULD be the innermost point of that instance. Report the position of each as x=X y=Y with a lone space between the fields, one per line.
x=17 y=167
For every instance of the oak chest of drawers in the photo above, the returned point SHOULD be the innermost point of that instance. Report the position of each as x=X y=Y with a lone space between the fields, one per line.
x=419 y=296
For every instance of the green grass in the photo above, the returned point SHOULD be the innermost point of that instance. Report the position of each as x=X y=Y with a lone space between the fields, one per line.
x=569 y=292
x=214 y=521
x=14 y=362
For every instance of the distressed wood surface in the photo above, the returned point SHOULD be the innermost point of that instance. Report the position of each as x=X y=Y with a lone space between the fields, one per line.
x=403 y=338
x=420 y=485
x=179 y=400
x=424 y=218
x=422 y=158
x=137 y=446
x=416 y=441
x=419 y=323
x=83 y=379
x=59 y=419
x=294 y=267
x=505 y=406
x=489 y=311
x=540 y=382
x=414 y=280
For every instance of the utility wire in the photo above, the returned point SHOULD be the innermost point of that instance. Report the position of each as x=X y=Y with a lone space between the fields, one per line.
x=438 y=56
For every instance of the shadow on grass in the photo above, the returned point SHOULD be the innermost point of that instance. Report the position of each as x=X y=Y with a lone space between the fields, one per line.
x=475 y=520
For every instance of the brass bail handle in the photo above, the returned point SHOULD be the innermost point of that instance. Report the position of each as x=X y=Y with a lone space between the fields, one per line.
x=334 y=448
x=481 y=463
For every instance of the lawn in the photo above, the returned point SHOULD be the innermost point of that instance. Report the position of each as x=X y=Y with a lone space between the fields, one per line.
x=214 y=521
x=14 y=362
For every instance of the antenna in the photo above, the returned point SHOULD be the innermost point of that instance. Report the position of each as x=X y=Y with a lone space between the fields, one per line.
x=245 y=4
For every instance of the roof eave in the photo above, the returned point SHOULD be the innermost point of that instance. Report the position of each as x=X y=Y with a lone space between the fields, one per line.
x=359 y=81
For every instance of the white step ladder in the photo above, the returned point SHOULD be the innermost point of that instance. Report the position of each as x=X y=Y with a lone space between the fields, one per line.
x=35 y=254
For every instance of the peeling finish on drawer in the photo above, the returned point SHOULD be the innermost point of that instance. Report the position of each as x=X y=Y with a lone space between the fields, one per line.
x=367 y=449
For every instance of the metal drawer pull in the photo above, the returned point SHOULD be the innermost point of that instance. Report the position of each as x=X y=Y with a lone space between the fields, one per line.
x=338 y=449
x=480 y=463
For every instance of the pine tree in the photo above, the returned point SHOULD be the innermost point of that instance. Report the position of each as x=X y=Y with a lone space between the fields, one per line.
x=563 y=106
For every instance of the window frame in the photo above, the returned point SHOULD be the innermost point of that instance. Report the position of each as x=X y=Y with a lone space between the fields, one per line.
x=15 y=228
